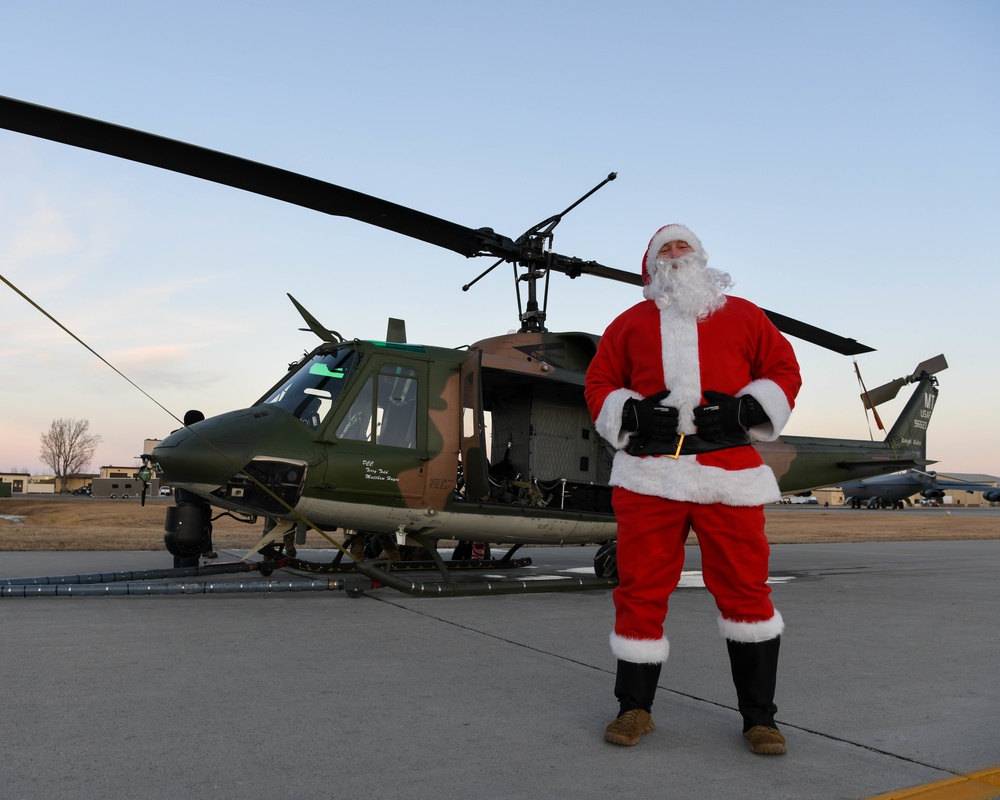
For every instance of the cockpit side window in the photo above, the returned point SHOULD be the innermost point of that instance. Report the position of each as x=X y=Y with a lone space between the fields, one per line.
x=311 y=392
x=385 y=409
x=357 y=423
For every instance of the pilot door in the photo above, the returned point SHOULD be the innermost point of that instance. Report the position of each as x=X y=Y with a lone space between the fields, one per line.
x=380 y=436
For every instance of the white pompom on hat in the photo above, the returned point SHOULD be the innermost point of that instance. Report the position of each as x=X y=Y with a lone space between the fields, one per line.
x=668 y=233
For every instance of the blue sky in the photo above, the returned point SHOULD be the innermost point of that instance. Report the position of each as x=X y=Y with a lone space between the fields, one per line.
x=840 y=160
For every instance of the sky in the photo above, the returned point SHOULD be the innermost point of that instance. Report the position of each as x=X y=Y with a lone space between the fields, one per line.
x=840 y=160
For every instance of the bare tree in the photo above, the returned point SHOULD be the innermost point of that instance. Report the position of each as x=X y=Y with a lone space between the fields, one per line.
x=67 y=448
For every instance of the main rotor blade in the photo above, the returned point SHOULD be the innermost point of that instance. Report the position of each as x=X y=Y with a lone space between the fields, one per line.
x=574 y=267
x=301 y=190
x=814 y=335
x=251 y=176
x=793 y=327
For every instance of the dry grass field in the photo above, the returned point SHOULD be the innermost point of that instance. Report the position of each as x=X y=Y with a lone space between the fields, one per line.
x=89 y=524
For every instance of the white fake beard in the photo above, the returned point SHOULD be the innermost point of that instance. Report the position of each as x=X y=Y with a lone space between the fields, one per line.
x=687 y=284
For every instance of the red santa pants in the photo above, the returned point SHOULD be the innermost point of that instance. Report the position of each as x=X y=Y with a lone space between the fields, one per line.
x=651 y=536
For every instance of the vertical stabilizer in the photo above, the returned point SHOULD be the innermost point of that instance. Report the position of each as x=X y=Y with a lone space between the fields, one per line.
x=909 y=433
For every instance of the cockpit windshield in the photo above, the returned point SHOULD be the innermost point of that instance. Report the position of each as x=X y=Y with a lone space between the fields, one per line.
x=312 y=390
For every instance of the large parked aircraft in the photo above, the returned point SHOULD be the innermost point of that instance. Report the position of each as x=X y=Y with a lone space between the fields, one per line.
x=895 y=490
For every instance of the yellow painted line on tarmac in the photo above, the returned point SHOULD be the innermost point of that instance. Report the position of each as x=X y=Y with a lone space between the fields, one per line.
x=984 y=785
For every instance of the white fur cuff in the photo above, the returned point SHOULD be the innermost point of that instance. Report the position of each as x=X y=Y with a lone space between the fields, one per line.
x=752 y=631
x=609 y=422
x=775 y=404
x=640 y=651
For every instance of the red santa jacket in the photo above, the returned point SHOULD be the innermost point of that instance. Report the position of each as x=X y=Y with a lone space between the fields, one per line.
x=735 y=350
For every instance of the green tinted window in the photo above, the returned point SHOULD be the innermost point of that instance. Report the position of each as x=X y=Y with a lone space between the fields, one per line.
x=310 y=393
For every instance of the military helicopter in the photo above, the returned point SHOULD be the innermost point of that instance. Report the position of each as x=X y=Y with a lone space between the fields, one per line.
x=387 y=439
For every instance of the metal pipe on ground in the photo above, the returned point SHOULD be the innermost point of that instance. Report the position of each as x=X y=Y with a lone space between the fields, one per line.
x=141 y=575
x=154 y=589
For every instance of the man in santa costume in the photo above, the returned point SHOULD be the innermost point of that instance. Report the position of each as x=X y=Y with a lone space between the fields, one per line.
x=680 y=386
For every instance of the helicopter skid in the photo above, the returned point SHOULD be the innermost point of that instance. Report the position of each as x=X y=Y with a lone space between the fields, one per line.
x=337 y=567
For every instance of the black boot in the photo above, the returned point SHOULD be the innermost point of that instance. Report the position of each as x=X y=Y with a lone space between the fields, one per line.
x=635 y=685
x=755 y=670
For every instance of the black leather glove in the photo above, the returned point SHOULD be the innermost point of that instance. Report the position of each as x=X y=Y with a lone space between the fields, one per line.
x=649 y=419
x=724 y=414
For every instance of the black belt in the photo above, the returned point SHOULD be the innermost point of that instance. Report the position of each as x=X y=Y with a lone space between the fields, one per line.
x=684 y=445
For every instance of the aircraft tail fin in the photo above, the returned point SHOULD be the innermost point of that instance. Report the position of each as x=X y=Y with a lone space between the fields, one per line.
x=909 y=432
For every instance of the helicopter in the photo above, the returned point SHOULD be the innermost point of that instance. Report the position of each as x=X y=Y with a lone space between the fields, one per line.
x=387 y=439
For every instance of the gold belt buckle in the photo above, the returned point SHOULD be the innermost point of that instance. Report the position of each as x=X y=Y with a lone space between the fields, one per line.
x=680 y=444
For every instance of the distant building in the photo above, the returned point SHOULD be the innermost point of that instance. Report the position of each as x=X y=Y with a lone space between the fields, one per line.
x=13 y=483
x=119 y=472
x=118 y=482
x=123 y=487
x=18 y=484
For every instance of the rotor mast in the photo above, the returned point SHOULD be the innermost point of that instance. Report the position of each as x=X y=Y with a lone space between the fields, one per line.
x=537 y=259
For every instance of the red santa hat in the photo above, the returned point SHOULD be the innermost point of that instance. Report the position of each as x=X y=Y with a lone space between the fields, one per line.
x=668 y=233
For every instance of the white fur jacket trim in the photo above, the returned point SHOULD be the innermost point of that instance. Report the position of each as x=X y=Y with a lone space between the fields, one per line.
x=686 y=480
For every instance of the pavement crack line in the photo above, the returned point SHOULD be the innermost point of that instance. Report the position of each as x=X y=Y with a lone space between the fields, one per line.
x=801 y=728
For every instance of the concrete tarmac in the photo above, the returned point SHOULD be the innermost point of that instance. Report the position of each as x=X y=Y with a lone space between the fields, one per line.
x=888 y=680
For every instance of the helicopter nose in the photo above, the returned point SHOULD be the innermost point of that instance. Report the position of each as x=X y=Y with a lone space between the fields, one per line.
x=211 y=452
